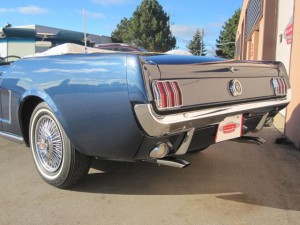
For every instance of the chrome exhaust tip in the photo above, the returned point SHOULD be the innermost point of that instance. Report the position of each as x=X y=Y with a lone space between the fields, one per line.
x=160 y=151
x=173 y=162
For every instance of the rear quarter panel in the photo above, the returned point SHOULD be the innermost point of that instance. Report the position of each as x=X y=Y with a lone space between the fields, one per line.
x=88 y=94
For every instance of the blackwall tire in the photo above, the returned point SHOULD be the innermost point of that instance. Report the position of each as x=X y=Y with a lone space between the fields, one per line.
x=56 y=160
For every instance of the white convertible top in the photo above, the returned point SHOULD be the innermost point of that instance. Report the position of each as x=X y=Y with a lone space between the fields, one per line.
x=178 y=52
x=69 y=48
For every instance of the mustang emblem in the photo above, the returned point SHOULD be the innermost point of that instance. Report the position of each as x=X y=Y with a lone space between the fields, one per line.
x=235 y=87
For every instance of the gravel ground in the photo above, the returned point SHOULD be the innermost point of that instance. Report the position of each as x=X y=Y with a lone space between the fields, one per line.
x=229 y=183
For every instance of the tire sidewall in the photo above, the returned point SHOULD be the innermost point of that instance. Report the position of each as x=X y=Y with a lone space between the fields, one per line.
x=59 y=176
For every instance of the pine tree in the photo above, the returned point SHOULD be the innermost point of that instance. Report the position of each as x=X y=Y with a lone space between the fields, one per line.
x=196 y=46
x=119 y=34
x=148 y=28
x=225 y=43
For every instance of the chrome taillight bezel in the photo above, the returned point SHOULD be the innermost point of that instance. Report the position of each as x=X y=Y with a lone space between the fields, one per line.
x=167 y=94
x=279 y=86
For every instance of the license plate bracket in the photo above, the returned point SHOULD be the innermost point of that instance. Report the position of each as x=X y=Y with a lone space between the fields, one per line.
x=231 y=127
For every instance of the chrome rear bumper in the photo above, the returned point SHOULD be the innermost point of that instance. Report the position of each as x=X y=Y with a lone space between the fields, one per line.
x=156 y=125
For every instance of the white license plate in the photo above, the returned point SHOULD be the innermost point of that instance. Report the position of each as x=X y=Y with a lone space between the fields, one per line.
x=230 y=128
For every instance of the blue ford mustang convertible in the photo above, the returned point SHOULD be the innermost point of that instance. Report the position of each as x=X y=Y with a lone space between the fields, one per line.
x=132 y=106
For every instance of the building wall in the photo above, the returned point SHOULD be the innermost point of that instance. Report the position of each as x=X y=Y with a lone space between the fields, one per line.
x=20 y=46
x=276 y=36
x=283 y=46
x=241 y=43
x=292 y=130
x=257 y=30
x=17 y=46
x=23 y=40
x=3 y=48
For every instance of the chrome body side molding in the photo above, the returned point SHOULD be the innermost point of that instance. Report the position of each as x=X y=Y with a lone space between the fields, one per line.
x=12 y=137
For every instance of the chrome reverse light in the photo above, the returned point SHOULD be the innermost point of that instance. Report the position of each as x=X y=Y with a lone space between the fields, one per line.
x=167 y=94
x=279 y=86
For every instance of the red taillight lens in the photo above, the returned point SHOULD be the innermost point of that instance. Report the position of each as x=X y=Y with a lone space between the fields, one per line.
x=167 y=94
x=279 y=86
x=162 y=95
x=178 y=94
x=170 y=94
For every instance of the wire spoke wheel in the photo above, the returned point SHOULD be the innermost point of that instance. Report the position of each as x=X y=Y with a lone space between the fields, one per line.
x=48 y=143
x=56 y=159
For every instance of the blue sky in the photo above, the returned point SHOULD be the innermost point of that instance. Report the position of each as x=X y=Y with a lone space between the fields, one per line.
x=186 y=16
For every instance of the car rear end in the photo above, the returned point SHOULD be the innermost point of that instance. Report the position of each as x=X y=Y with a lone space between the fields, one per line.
x=195 y=101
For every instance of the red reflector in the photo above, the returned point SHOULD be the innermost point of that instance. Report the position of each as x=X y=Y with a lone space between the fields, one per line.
x=167 y=94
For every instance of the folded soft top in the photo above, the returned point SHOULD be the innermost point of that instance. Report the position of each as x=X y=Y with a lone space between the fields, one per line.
x=69 y=48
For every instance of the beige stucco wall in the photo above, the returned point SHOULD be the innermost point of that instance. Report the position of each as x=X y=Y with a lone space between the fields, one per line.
x=241 y=31
x=283 y=47
x=285 y=15
x=266 y=44
x=264 y=37
x=261 y=37
x=292 y=129
x=269 y=30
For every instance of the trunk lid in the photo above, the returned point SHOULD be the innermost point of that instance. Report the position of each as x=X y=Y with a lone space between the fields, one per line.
x=208 y=82
x=190 y=67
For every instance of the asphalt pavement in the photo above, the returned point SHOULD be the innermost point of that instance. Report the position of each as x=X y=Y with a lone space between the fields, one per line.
x=229 y=183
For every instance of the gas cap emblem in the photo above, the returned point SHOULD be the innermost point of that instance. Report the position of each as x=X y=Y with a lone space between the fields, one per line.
x=235 y=87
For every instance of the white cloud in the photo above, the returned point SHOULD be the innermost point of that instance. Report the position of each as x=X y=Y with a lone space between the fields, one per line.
x=29 y=10
x=112 y=2
x=6 y=10
x=184 y=31
x=188 y=31
x=184 y=34
x=32 y=10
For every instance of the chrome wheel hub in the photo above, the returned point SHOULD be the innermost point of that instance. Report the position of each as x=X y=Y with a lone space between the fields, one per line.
x=48 y=143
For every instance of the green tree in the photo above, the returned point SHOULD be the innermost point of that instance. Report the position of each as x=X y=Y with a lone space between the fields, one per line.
x=120 y=33
x=225 y=43
x=196 y=46
x=148 y=27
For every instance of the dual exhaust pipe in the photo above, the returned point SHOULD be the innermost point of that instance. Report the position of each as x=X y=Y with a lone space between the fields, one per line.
x=173 y=162
x=161 y=150
x=159 y=154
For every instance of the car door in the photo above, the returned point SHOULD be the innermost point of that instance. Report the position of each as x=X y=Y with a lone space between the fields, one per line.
x=5 y=103
x=9 y=99
x=1 y=117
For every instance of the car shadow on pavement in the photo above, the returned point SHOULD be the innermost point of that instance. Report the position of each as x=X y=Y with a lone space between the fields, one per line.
x=266 y=175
